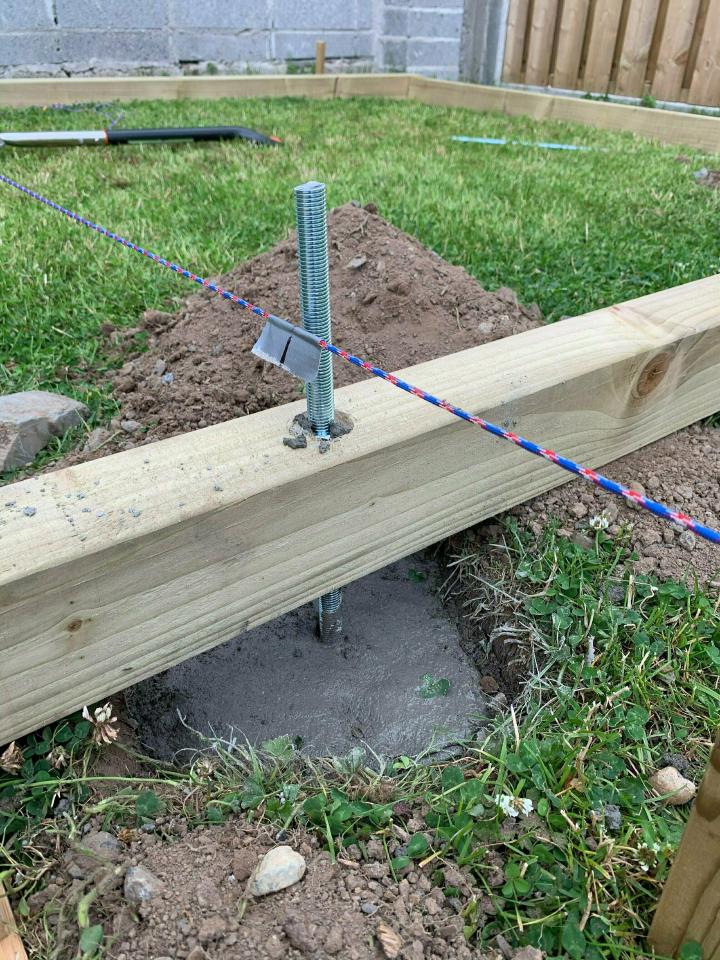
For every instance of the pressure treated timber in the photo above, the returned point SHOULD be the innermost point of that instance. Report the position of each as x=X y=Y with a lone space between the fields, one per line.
x=43 y=92
x=689 y=907
x=663 y=125
x=11 y=947
x=187 y=542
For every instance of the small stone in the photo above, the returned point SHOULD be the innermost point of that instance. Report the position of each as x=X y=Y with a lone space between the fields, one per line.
x=96 y=438
x=369 y=908
x=29 y=511
x=197 y=953
x=687 y=540
x=389 y=940
x=243 y=864
x=334 y=940
x=29 y=419
x=676 y=760
x=130 y=426
x=168 y=378
x=527 y=953
x=612 y=817
x=579 y=510
x=141 y=885
x=280 y=868
x=503 y=946
x=488 y=684
x=668 y=536
x=674 y=789
x=295 y=443
x=300 y=934
x=357 y=262
x=159 y=368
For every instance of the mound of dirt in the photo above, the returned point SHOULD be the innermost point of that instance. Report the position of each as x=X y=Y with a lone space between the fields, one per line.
x=681 y=470
x=201 y=908
x=393 y=301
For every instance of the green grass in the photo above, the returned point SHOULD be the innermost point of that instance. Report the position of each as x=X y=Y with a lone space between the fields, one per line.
x=570 y=231
x=623 y=671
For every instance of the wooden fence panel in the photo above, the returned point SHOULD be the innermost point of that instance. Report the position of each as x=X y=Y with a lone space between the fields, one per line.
x=601 y=46
x=667 y=83
x=515 y=41
x=705 y=80
x=670 y=48
x=541 y=31
x=573 y=21
x=635 y=52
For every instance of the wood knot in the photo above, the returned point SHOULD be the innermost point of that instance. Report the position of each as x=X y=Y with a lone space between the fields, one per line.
x=74 y=625
x=652 y=374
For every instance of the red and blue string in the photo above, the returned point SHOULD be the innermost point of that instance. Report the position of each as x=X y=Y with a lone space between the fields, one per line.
x=633 y=496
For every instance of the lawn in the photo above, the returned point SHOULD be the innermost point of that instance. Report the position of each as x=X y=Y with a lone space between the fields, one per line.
x=623 y=668
x=570 y=231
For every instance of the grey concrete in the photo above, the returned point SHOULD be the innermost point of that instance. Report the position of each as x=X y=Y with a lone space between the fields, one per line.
x=482 y=46
x=28 y=420
x=61 y=37
x=278 y=679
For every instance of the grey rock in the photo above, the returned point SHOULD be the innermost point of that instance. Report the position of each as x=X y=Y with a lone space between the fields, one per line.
x=28 y=420
x=159 y=368
x=369 y=908
x=677 y=760
x=141 y=885
x=687 y=540
x=612 y=817
x=96 y=849
x=29 y=511
x=130 y=426
x=281 y=867
x=295 y=443
x=167 y=378
x=357 y=262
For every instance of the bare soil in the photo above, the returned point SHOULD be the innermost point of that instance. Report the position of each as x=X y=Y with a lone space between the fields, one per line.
x=202 y=910
x=393 y=301
x=683 y=471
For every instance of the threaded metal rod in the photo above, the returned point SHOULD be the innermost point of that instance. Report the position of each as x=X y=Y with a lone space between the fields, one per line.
x=315 y=297
x=314 y=274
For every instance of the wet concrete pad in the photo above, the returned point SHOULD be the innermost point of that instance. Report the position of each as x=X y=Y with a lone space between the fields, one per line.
x=365 y=690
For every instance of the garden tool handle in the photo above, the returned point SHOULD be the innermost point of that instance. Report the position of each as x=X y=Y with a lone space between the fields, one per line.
x=120 y=136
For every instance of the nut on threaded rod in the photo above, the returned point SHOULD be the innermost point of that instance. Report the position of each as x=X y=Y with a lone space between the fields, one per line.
x=314 y=274
x=315 y=297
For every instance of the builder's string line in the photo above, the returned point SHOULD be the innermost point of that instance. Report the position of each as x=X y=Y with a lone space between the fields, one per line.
x=654 y=506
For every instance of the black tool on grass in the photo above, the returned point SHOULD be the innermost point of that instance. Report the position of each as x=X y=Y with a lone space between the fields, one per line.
x=117 y=136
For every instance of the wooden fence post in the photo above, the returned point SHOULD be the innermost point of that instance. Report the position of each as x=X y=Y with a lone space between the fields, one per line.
x=689 y=907
x=319 y=56
x=482 y=45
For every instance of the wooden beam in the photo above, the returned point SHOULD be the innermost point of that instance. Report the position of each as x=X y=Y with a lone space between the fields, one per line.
x=689 y=907
x=137 y=561
x=319 y=56
x=11 y=946
x=663 y=125
x=43 y=92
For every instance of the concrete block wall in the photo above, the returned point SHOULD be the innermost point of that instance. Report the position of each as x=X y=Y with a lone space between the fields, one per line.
x=75 y=37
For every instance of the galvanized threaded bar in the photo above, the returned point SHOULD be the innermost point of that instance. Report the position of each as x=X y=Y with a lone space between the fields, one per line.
x=315 y=297
x=314 y=274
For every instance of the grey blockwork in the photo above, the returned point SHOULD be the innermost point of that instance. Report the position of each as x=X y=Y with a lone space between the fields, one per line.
x=433 y=37
x=483 y=40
